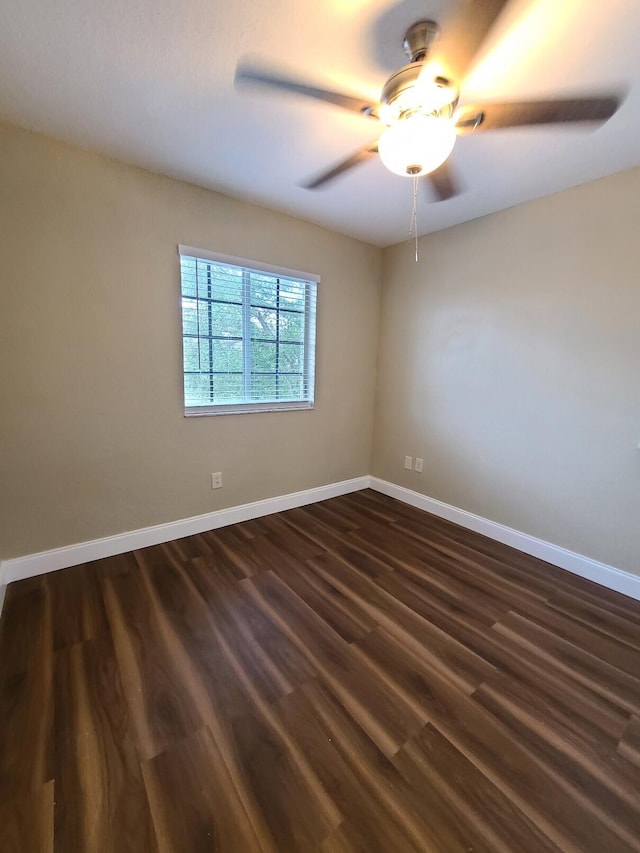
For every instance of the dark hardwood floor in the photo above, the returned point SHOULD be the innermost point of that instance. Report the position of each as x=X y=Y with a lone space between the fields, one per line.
x=355 y=675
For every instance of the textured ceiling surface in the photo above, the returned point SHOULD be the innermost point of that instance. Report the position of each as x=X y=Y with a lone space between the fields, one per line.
x=151 y=82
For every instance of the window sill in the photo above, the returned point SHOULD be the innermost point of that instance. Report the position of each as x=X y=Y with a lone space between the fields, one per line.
x=246 y=408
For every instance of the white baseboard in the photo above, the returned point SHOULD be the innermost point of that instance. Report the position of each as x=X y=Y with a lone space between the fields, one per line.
x=577 y=564
x=31 y=565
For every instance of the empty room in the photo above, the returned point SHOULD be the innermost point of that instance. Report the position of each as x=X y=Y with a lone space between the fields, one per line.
x=319 y=426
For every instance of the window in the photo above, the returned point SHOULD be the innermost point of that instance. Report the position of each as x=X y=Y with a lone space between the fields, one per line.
x=248 y=335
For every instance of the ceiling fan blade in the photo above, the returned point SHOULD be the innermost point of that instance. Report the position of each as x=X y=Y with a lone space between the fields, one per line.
x=252 y=75
x=442 y=183
x=360 y=156
x=522 y=113
x=463 y=35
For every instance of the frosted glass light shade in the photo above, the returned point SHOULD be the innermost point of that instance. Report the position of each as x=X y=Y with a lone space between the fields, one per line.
x=416 y=145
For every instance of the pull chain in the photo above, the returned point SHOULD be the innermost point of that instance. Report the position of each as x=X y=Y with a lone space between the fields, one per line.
x=413 y=229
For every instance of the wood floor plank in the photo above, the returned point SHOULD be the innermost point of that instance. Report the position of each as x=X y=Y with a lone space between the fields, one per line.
x=592 y=776
x=365 y=504
x=304 y=522
x=393 y=720
x=120 y=564
x=226 y=607
x=292 y=666
x=446 y=534
x=186 y=548
x=26 y=822
x=411 y=817
x=353 y=676
x=614 y=625
x=434 y=579
x=161 y=708
x=78 y=609
x=26 y=691
x=27 y=625
x=506 y=584
x=102 y=805
x=282 y=796
x=347 y=513
x=502 y=756
x=344 y=616
x=599 y=598
x=334 y=516
x=452 y=658
x=577 y=717
x=578 y=663
x=591 y=639
x=239 y=564
x=545 y=578
x=298 y=541
x=361 y=803
x=629 y=746
x=477 y=813
x=194 y=802
x=523 y=666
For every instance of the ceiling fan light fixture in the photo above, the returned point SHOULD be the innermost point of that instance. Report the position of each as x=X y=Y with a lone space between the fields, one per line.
x=416 y=144
x=414 y=89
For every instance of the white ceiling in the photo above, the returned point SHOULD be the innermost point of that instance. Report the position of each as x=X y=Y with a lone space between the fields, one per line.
x=150 y=82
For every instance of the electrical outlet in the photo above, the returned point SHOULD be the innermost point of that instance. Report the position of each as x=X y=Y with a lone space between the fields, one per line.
x=408 y=462
x=418 y=465
x=216 y=480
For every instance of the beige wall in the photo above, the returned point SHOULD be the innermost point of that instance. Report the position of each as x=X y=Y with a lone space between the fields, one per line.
x=93 y=440
x=509 y=361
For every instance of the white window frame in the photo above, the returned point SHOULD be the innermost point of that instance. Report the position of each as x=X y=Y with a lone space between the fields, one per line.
x=309 y=340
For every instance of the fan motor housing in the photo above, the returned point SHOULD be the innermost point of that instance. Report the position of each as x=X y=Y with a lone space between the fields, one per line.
x=400 y=85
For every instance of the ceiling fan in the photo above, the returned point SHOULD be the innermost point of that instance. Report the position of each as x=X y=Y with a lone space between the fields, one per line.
x=418 y=104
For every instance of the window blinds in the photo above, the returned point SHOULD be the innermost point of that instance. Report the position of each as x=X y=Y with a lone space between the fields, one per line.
x=248 y=335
